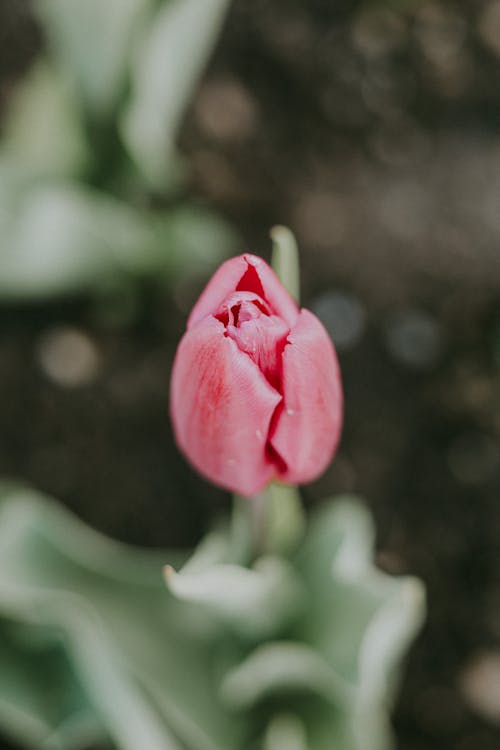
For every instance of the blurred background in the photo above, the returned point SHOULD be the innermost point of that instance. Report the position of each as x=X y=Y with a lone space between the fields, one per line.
x=145 y=141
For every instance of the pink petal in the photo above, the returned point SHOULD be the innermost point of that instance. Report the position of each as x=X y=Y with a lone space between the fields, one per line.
x=263 y=339
x=221 y=285
x=308 y=428
x=221 y=408
x=244 y=273
x=275 y=293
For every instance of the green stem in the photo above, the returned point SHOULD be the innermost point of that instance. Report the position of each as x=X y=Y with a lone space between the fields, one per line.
x=271 y=522
x=260 y=528
x=285 y=518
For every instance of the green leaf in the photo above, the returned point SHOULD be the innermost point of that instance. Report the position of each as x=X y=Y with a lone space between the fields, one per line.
x=168 y=62
x=140 y=658
x=284 y=667
x=63 y=238
x=91 y=41
x=286 y=731
x=38 y=692
x=254 y=602
x=60 y=238
x=92 y=645
x=42 y=130
x=359 y=619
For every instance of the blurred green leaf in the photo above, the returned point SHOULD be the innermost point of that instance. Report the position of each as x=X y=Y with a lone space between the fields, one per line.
x=283 y=667
x=38 y=691
x=93 y=646
x=43 y=134
x=341 y=669
x=91 y=41
x=286 y=731
x=61 y=238
x=255 y=602
x=168 y=62
x=359 y=619
x=140 y=659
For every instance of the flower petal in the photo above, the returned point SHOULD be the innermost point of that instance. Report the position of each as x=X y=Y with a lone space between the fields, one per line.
x=221 y=285
x=244 y=273
x=263 y=339
x=221 y=406
x=275 y=293
x=307 y=430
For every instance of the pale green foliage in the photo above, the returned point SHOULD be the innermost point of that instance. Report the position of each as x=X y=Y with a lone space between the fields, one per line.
x=84 y=131
x=64 y=237
x=43 y=131
x=299 y=651
x=91 y=41
x=164 y=71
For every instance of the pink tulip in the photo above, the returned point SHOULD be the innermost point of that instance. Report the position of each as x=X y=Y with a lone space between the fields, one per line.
x=255 y=391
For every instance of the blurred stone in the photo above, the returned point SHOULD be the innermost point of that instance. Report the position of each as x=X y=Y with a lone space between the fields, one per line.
x=453 y=75
x=291 y=35
x=415 y=339
x=68 y=357
x=320 y=218
x=378 y=31
x=489 y=26
x=226 y=111
x=405 y=208
x=480 y=685
x=216 y=177
x=400 y=143
x=473 y=457
x=380 y=93
x=440 y=31
x=343 y=316
x=471 y=390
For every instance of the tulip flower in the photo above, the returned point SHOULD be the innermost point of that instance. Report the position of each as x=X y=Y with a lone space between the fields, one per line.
x=255 y=390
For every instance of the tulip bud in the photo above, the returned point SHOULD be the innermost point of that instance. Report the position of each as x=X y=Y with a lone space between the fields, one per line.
x=255 y=390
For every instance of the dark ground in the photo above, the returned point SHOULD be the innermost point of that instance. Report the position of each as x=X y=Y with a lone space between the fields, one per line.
x=373 y=131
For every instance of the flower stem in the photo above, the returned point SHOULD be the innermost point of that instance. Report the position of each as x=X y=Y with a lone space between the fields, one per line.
x=271 y=522
x=260 y=530
x=285 y=518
